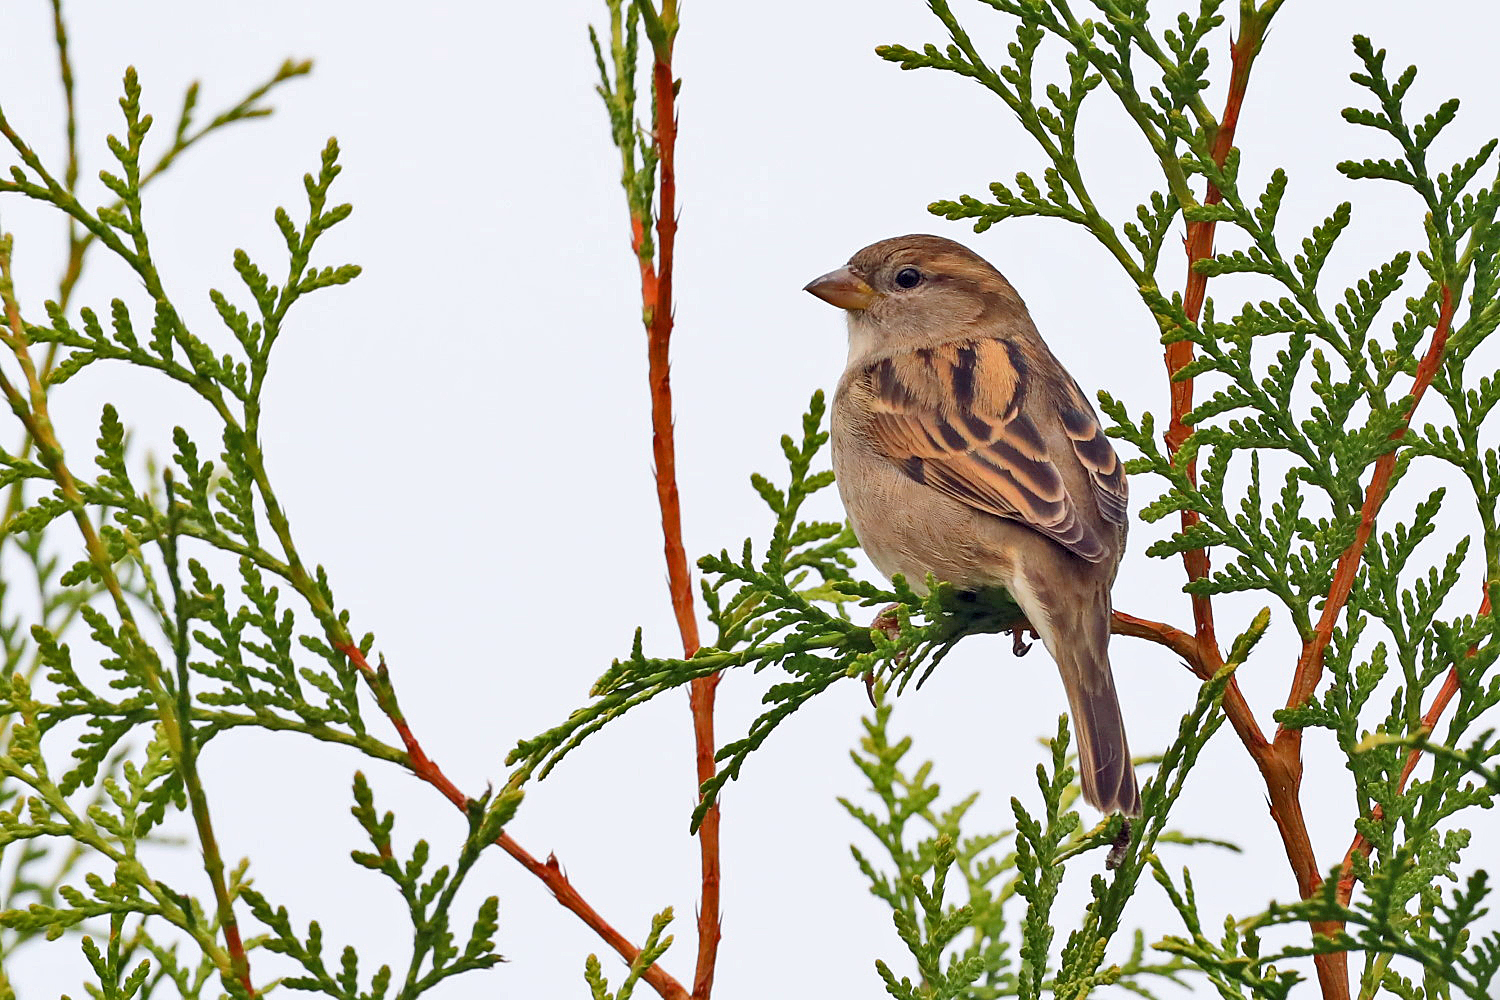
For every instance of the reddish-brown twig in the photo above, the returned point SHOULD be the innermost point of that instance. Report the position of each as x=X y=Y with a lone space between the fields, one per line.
x=656 y=297
x=1200 y=246
x=1286 y=757
x=1174 y=639
x=1361 y=845
x=549 y=871
x=1310 y=664
x=1282 y=773
x=1282 y=764
x=1204 y=662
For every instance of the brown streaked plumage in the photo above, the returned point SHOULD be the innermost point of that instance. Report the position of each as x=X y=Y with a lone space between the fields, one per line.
x=963 y=449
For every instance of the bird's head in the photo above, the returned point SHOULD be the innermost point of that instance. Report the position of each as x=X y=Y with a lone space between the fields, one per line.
x=916 y=289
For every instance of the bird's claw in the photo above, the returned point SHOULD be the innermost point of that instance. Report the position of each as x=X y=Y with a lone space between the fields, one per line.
x=1019 y=645
x=888 y=623
x=1118 y=847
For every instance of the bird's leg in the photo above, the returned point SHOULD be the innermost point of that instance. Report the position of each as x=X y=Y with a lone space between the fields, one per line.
x=1117 y=848
x=888 y=623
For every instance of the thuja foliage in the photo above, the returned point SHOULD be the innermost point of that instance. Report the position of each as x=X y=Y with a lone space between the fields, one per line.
x=1307 y=421
x=784 y=605
x=971 y=948
x=167 y=606
x=148 y=611
x=435 y=953
x=1306 y=392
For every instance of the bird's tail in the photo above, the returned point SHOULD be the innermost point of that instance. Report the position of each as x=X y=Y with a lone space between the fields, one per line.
x=1103 y=753
x=1077 y=636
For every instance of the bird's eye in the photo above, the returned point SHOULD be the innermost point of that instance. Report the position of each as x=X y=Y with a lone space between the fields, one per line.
x=908 y=277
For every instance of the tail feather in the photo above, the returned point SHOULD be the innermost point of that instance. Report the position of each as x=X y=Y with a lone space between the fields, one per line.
x=1103 y=752
x=1076 y=633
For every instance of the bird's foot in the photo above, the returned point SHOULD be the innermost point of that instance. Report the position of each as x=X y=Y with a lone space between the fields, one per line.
x=1019 y=645
x=888 y=623
x=1117 y=848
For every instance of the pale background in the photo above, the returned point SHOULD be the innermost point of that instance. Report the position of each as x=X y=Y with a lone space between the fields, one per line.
x=461 y=436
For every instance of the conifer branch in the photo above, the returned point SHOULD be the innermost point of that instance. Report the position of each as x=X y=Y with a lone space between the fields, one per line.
x=1310 y=663
x=1282 y=776
x=32 y=410
x=1304 y=377
x=1282 y=766
x=1200 y=246
x=550 y=872
x=1175 y=639
x=1205 y=664
x=655 y=261
x=1276 y=548
x=1360 y=847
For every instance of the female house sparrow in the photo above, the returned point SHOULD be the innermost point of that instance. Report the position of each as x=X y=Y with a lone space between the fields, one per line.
x=963 y=449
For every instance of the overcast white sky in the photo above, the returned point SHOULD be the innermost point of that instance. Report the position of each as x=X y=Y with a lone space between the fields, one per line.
x=461 y=436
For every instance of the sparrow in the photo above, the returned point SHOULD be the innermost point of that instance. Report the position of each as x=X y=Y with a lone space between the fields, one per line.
x=964 y=450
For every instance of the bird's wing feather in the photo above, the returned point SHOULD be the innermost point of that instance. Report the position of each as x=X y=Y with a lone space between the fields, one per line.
x=951 y=417
x=1106 y=471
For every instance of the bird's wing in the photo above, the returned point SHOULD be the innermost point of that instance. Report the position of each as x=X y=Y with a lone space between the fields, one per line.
x=952 y=417
x=1097 y=456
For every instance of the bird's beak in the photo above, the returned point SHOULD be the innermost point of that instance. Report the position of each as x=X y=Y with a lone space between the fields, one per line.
x=842 y=288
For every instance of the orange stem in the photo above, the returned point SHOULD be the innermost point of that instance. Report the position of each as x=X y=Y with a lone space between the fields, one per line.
x=656 y=299
x=1174 y=639
x=1281 y=773
x=1310 y=664
x=549 y=871
x=1204 y=662
x=238 y=959
x=1200 y=245
x=1333 y=968
x=1361 y=845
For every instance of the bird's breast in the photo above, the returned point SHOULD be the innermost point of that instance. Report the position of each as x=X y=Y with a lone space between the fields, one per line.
x=911 y=529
